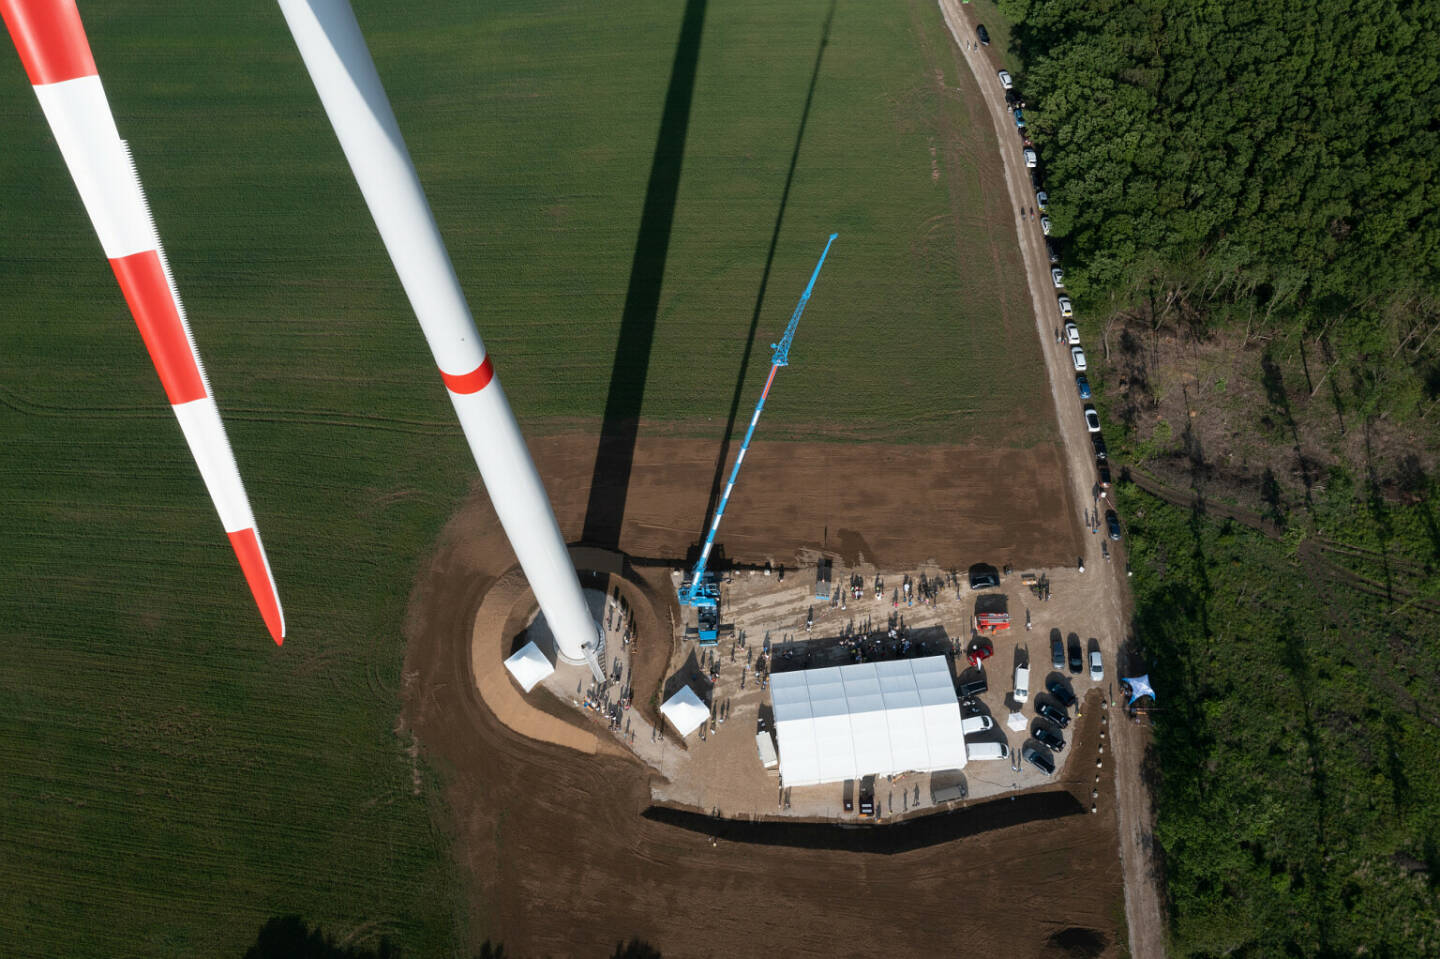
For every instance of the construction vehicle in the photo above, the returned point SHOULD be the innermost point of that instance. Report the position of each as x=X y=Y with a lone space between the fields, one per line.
x=701 y=591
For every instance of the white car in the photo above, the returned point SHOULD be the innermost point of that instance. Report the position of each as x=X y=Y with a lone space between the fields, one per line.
x=1067 y=309
x=1041 y=199
x=1022 y=685
x=1092 y=419
x=1072 y=334
x=1005 y=80
x=1077 y=356
x=1057 y=276
x=1045 y=225
x=1030 y=158
x=976 y=724
x=1097 y=668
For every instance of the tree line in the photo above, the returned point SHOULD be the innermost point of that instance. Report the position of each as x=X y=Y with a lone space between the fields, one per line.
x=1271 y=165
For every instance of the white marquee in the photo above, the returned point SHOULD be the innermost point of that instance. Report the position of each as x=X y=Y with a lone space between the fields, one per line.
x=845 y=722
x=529 y=666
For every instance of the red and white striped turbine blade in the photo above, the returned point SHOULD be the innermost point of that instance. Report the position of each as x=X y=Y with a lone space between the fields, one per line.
x=56 y=55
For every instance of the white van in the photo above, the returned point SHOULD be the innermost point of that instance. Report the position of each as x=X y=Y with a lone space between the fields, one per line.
x=975 y=724
x=1022 y=683
x=986 y=750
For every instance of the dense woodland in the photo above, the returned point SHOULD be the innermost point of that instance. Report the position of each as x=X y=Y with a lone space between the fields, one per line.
x=1271 y=166
x=1268 y=172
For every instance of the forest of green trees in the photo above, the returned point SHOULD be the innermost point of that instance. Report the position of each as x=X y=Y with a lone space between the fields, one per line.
x=1273 y=165
x=1271 y=168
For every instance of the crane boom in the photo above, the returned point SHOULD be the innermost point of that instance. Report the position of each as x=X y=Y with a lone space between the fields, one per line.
x=700 y=590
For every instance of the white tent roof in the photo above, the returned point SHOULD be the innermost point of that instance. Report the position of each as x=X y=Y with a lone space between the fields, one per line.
x=529 y=666
x=1016 y=721
x=685 y=710
x=844 y=722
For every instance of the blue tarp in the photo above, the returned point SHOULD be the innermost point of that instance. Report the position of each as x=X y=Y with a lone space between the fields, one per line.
x=1139 y=687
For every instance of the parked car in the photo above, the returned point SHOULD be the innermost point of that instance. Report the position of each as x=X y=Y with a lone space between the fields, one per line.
x=1083 y=385
x=1098 y=441
x=983 y=34
x=1092 y=419
x=1052 y=247
x=1038 y=758
x=1097 y=666
x=1041 y=199
x=972 y=683
x=1057 y=276
x=1005 y=80
x=1022 y=683
x=1046 y=734
x=1057 y=650
x=867 y=797
x=1103 y=469
x=984 y=576
x=979 y=651
x=1077 y=658
x=1112 y=524
x=1019 y=119
x=986 y=750
x=1077 y=356
x=1072 y=334
x=1060 y=689
x=976 y=724
x=1052 y=712
x=1067 y=309
x=1031 y=160
x=1045 y=225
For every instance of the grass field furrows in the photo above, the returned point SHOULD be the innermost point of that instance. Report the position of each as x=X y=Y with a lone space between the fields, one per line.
x=172 y=780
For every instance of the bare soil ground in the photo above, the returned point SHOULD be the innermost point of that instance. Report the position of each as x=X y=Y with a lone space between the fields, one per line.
x=561 y=858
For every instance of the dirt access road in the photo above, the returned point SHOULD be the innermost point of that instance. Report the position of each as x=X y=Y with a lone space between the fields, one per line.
x=1108 y=588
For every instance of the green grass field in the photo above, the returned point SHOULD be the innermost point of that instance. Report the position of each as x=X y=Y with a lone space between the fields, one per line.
x=171 y=780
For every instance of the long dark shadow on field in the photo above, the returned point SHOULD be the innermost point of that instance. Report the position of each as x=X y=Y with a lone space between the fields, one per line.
x=887 y=840
x=724 y=454
x=615 y=457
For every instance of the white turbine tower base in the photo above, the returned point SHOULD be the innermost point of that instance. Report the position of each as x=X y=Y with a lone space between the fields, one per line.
x=339 y=63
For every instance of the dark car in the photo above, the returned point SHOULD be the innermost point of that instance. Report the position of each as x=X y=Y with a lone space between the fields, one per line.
x=983 y=34
x=1053 y=713
x=972 y=683
x=1077 y=655
x=1060 y=689
x=1019 y=119
x=867 y=797
x=1103 y=468
x=1112 y=524
x=1083 y=385
x=1057 y=650
x=1012 y=98
x=1039 y=758
x=1052 y=248
x=984 y=576
x=1048 y=735
x=1098 y=441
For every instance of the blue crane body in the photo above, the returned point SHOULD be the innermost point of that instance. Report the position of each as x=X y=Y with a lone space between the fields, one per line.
x=700 y=591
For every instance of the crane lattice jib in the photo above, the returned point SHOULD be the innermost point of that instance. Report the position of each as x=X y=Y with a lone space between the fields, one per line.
x=695 y=591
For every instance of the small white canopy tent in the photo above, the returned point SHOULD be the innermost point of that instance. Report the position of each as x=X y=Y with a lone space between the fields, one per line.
x=1016 y=721
x=685 y=710
x=529 y=666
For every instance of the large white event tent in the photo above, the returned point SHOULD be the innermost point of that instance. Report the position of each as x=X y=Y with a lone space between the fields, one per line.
x=529 y=666
x=845 y=722
x=685 y=710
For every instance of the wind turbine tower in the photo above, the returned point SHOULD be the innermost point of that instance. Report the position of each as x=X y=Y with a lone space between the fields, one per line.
x=340 y=64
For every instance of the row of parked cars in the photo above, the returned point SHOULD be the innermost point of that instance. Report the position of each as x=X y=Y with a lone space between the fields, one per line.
x=1070 y=331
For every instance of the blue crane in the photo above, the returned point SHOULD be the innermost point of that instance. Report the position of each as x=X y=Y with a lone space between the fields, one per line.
x=700 y=590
